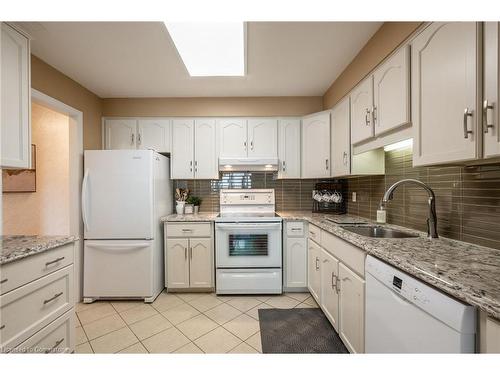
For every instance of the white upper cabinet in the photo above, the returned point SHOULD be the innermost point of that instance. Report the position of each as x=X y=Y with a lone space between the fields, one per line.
x=289 y=148
x=120 y=134
x=444 y=93
x=232 y=138
x=316 y=145
x=182 y=159
x=205 y=149
x=491 y=114
x=15 y=99
x=361 y=111
x=391 y=83
x=340 y=140
x=262 y=138
x=154 y=134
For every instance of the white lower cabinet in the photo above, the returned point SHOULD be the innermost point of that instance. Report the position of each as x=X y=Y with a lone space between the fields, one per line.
x=189 y=260
x=314 y=270
x=352 y=309
x=295 y=256
x=329 y=300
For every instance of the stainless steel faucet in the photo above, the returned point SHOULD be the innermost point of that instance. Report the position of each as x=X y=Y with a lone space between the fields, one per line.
x=432 y=219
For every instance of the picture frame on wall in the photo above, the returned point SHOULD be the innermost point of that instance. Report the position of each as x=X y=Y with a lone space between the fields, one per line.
x=20 y=180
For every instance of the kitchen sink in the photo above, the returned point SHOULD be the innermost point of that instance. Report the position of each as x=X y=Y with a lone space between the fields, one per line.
x=376 y=231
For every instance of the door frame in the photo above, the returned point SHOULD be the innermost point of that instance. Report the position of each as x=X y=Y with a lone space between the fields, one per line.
x=75 y=177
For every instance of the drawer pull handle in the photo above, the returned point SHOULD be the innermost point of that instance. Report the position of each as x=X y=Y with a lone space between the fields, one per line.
x=58 y=342
x=53 y=298
x=53 y=261
x=187 y=230
x=296 y=229
x=2 y=326
x=4 y=281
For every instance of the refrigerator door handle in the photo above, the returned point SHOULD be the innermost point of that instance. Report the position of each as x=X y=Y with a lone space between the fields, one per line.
x=84 y=199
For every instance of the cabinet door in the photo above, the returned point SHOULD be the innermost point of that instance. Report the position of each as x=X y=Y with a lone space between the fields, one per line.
x=296 y=262
x=329 y=291
x=154 y=135
x=289 y=148
x=182 y=149
x=316 y=146
x=313 y=270
x=205 y=149
x=232 y=138
x=263 y=138
x=200 y=269
x=444 y=112
x=341 y=141
x=391 y=84
x=491 y=114
x=15 y=99
x=361 y=111
x=120 y=134
x=352 y=310
x=177 y=263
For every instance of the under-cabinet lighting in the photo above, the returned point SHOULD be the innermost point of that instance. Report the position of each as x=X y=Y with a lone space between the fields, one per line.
x=268 y=166
x=210 y=48
x=402 y=144
x=227 y=166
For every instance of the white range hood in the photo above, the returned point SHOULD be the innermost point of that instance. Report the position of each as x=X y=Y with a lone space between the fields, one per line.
x=248 y=164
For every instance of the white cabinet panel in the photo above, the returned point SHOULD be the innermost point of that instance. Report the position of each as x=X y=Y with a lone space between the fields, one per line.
x=361 y=111
x=289 y=148
x=120 y=134
x=232 y=138
x=329 y=292
x=263 y=138
x=491 y=114
x=352 y=310
x=341 y=140
x=316 y=146
x=314 y=270
x=182 y=159
x=444 y=93
x=392 y=92
x=154 y=135
x=205 y=148
x=296 y=262
x=15 y=99
x=177 y=263
x=200 y=265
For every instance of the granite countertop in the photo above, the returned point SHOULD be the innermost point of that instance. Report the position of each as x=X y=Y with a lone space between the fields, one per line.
x=468 y=272
x=13 y=248
x=202 y=216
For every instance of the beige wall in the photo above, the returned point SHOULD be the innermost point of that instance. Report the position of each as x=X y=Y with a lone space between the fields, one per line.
x=238 y=106
x=45 y=211
x=52 y=82
x=382 y=43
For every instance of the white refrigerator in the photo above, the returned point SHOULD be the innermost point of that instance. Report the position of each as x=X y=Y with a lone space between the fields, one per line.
x=124 y=195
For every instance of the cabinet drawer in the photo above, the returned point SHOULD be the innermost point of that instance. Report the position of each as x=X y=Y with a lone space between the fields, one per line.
x=295 y=228
x=57 y=337
x=25 y=310
x=315 y=233
x=23 y=271
x=188 y=229
x=348 y=254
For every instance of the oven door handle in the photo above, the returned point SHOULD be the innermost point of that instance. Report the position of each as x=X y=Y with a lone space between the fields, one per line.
x=248 y=226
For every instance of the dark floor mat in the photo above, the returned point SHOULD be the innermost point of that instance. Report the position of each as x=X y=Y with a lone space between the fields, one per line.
x=298 y=331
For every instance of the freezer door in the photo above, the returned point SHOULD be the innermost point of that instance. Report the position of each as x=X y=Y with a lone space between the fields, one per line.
x=118 y=269
x=117 y=194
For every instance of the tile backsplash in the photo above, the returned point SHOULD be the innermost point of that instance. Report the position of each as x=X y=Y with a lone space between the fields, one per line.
x=290 y=194
x=467 y=198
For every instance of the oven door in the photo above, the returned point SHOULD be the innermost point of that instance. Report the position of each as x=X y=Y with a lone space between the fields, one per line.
x=248 y=245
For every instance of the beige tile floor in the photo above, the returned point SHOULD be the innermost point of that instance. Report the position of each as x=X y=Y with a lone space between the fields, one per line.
x=178 y=323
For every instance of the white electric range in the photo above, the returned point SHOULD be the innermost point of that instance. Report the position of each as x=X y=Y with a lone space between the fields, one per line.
x=248 y=243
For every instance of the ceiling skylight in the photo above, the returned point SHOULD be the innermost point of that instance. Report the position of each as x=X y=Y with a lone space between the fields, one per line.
x=210 y=48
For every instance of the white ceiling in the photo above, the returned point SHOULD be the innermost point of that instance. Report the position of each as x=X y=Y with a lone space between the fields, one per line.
x=138 y=59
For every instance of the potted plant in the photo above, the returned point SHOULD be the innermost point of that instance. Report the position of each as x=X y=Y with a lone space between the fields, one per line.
x=196 y=202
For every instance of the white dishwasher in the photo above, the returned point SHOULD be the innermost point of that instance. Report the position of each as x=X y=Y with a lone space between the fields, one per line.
x=404 y=315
